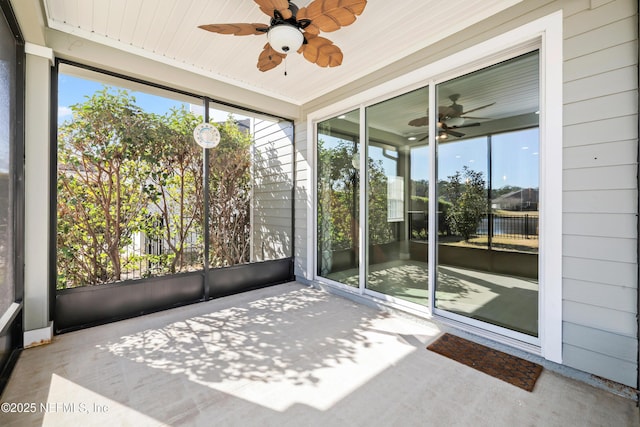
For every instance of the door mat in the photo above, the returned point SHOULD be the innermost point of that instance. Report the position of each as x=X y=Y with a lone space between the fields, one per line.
x=506 y=367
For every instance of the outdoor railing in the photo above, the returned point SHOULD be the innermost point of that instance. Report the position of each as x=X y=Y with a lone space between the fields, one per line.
x=512 y=226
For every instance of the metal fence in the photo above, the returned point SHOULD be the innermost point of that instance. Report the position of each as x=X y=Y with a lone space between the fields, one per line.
x=516 y=226
x=509 y=226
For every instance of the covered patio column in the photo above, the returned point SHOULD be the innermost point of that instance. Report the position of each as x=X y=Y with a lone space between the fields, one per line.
x=38 y=329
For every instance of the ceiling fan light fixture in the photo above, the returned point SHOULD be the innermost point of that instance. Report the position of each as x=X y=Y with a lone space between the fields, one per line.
x=285 y=38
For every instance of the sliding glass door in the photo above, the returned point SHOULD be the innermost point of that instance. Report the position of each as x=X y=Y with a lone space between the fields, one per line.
x=450 y=198
x=488 y=185
x=397 y=198
x=338 y=199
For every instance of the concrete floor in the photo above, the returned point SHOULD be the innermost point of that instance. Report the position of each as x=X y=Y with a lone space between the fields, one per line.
x=288 y=355
x=507 y=301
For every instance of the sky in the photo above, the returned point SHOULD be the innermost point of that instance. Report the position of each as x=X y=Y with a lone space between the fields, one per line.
x=515 y=157
x=74 y=90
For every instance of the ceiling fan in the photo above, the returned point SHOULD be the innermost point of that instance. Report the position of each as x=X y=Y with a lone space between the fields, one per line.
x=452 y=116
x=444 y=130
x=293 y=29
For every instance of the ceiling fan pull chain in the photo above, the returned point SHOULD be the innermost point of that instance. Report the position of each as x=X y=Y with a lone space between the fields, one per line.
x=285 y=65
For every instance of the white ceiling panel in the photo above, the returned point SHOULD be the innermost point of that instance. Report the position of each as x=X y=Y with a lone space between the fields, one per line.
x=166 y=31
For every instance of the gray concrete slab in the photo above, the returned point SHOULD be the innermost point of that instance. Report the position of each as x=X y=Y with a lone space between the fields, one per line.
x=288 y=355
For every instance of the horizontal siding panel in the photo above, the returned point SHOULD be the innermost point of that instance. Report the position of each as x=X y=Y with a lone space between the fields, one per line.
x=283 y=211
x=273 y=169
x=613 y=34
x=598 y=155
x=602 y=248
x=598 y=85
x=277 y=208
x=591 y=19
x=605 y=366
x=620 y=347
x=613 y=58
x=605 y=107
x=607 y=296
x=301 y=158
x=273 y=221
x=612 y=201
x=603 y=225
x=272 y=183
x=605 y=178
x=261 y=125
x=282 y=152
x=605 y=319
x=607 y=272
x=599 y=131
x=302 y=175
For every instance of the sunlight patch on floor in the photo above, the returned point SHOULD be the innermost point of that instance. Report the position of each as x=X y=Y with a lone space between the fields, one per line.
x=71 y=404
x=257 y=352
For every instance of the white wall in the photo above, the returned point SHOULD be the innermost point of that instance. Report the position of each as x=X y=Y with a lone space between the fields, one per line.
x=272 y=188
x=600 y=190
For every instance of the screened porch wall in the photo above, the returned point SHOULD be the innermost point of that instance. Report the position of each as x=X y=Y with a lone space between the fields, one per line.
x=272 y=201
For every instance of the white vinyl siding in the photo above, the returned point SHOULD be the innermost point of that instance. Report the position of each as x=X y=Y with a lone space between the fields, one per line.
x=272 y=185
x=600 y=191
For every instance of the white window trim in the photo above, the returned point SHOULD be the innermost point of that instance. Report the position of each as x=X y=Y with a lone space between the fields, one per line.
x=548 y=32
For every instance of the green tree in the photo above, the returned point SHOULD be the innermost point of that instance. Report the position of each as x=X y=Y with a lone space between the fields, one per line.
x=230 y=196
x=174 y=188
x=338 y=188
x=101 y=174
x=338 y=195
x=468 y=196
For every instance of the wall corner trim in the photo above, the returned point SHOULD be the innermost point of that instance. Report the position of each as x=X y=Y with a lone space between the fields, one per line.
x=36 y=337
x=37 y=50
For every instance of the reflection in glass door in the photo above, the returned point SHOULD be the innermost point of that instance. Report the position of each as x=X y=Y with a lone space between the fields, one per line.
x=397 y=197
x=488 y=186
x=338 y=198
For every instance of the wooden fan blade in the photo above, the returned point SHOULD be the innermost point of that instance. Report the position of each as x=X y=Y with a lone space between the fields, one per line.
x=269 y=58
x=470 y=125
x=475 y=118
x=476 y=109
x=236 y=29
x=422 y=121
x=321 y=51
x=268 y=6
x=330 y=15
x=454 y=133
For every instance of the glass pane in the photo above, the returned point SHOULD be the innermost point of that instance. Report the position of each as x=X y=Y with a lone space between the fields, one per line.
x=7 y=144
x=488 y=185
x=129 y=181
x=398 y=190
x=250 y=188
x=338 y=198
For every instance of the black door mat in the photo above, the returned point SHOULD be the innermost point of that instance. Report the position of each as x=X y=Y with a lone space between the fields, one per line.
x=506 y=367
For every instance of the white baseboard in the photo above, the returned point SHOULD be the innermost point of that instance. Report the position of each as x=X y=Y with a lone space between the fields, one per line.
x=36 y=337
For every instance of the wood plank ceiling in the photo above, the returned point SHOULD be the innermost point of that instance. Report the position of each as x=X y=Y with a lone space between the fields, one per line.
x=166 y=31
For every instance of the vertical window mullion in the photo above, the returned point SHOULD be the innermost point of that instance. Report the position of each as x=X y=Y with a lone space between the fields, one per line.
x=433 y=196
x=363 y=214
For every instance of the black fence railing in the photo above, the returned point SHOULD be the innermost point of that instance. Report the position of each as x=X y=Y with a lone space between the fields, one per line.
x=523 y=226
x=512 y=226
